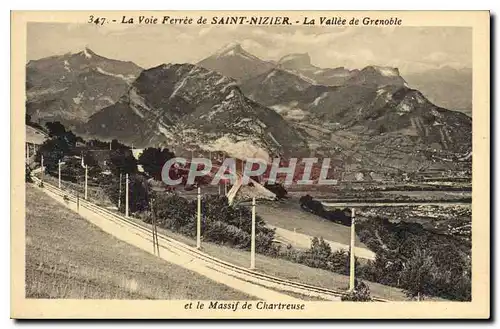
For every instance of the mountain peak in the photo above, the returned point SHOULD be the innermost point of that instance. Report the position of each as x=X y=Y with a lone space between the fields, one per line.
x=235 y=62
x=230 y=49
x=87 y=53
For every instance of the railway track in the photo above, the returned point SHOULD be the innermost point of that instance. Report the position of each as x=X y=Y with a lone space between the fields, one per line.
x=227 y=268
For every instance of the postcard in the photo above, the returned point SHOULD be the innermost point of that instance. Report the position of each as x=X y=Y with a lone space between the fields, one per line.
x=250 y=164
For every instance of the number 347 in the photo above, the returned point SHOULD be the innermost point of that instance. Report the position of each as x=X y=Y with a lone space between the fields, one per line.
x=96 y=20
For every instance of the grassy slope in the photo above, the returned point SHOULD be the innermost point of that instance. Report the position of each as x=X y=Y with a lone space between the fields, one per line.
x=67 y=257
x=283 y=268
x=288 y=215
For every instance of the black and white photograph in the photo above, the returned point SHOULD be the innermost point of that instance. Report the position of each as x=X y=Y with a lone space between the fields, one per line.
x=250 y=161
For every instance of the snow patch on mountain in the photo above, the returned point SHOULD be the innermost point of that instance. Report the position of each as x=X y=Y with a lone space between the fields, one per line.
x=387 y=71
x=41 y=92
x=300 y=75
x=178 y=87
x=227 y=48
x=296 y=114
x=66 y=66
x=230 y=95
x=241 y=149
x=234 y=49
x=128 y=79
x=269 y=76
x=292 y=57
x=229 y=85
x=107 y=99
x=77 y=100
x=137 y=102
x=222 y=80
x=163 y=129
x=87 y=53
x=403 y=108
x=320 y=98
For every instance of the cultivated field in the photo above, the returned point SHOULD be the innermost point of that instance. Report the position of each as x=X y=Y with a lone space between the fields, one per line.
x=67 y=257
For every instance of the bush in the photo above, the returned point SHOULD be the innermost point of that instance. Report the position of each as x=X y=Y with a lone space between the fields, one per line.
x=278 y=189
x=173 y=212
x=27 y=174
x=316 y=207
x=220 y=222
x=420 y=262
x=361 y=293
x=138 y=192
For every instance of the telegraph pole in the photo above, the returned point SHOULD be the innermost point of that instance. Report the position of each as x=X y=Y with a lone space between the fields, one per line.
x=156 y=247
x=120 y=192
x=252 y=246
x=126 y=195
x=59 y=172
x=156 y=234
x=86 y=180
x=352 y=258
x=43 y=169
x=198 y=221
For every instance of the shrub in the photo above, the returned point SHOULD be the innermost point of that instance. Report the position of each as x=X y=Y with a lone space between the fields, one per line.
x=152 y=161
x=361 y=293
x=27 y=174
x=138 y=193
x=220 y=222
x=420 y=262
x=173 y=211
x=318 y=254
x=278 y=189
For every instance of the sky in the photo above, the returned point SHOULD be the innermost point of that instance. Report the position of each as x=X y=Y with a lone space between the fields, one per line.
x=411 y=49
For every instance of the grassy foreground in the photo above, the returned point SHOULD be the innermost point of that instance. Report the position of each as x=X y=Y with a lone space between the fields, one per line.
x=68 y=257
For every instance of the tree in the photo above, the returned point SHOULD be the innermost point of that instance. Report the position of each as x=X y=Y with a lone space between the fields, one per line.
x=122 y=162
x=90 y=161
x=138 y=192
x=153 y=159
x=55 y=128
x=115 y=145
x=98 y=144
x=417 y=275
x=52 y=150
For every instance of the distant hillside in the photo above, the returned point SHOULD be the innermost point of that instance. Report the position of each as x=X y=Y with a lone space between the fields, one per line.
x=447 y=87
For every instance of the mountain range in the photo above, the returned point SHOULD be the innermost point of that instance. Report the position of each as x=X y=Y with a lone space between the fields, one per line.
x=184 y=103
x=446 y=87
x=369 y=119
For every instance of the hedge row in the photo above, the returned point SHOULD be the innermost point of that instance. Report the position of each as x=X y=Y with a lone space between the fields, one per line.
x=220 y=223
